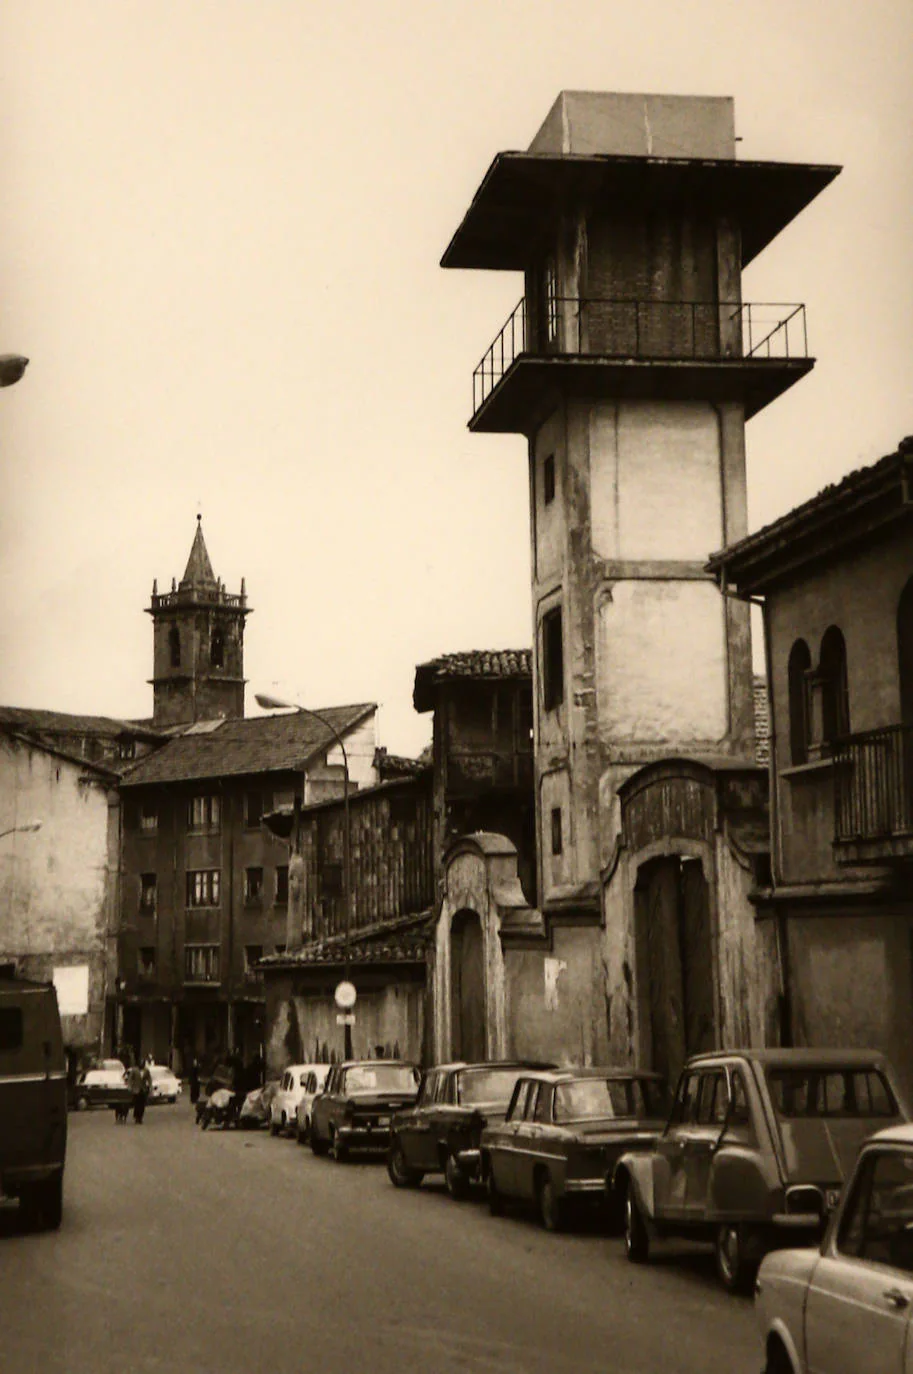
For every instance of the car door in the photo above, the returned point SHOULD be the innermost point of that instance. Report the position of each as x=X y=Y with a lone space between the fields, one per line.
x=702 y=1137
x=320 y=1108
x=503 y=1146
x=417 y=1136
x=860 y=1297
x=670 y=1180
x=526 y=1137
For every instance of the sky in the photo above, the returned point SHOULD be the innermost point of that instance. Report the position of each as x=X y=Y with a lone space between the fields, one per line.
x=220 y=232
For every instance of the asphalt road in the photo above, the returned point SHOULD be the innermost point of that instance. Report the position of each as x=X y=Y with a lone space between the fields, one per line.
x=234 y=1253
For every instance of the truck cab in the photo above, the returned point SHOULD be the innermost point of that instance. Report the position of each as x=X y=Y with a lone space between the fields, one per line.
x=33 y=1100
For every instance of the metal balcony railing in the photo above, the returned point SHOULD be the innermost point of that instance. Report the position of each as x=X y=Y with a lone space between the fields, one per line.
x=700 y=331
x=873 y=785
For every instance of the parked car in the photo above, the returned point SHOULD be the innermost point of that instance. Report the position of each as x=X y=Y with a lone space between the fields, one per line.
x=166 y=1087
x=846 y=1307
x=255 y=1107
x=755 y=1152
x=105 y=1085
x=442 y=1132
x=563 y=1132
x=358 y=1101
x=314 y=1085
x=283 y=1109
x=33 y=1101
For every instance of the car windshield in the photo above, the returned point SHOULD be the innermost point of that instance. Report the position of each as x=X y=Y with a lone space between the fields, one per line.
x=379 y=1078
x=830 y=1091
x=489 y=1086
x=591 y=1098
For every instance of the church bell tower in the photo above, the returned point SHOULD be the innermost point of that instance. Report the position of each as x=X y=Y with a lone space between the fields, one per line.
x=198 y=644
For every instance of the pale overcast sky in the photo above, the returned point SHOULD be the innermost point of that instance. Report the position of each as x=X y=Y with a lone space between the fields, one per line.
x=220 y=228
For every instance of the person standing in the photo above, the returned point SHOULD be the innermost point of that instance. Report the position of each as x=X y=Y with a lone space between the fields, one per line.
x=135 y=1084
x=194 y=1080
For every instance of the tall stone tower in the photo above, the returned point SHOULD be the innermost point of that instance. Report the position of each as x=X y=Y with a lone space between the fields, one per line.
x=631 y=364
x=198 y=644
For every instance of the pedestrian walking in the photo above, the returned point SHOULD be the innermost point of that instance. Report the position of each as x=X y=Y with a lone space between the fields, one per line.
x=194 y=1081
x=139 y=1081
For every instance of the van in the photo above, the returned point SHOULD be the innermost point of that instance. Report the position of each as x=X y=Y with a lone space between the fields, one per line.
x=33 y=1100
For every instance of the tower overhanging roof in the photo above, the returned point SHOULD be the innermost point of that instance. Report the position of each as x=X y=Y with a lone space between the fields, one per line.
x=522 y=194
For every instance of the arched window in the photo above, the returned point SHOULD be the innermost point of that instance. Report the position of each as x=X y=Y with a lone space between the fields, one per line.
x=217 y=649
x=835 y=695
x=800 y=662
x=174 y=646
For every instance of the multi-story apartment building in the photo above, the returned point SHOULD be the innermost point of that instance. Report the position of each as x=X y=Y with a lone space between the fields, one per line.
x=835 y=577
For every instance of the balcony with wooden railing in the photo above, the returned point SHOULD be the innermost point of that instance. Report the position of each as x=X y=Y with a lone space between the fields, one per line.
x=873 y=795
x=724 y=349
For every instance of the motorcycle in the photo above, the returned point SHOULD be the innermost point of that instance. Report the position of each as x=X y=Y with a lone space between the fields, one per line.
x=219 y=1109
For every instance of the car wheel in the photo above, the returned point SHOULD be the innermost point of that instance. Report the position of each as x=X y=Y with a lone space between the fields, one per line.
x=400 y=1174
x=82 y=1103
x=456 y=1180
x=778 y=1361
x=551 y=1207
x=496 y=1204
x=735 y=1270
x=318 y=1146
x=301 y=1134
x=273 y=1127
x=338 y=1152
x=637 y=1241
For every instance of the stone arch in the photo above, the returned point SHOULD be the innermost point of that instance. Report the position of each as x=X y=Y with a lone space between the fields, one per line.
x=481 y=896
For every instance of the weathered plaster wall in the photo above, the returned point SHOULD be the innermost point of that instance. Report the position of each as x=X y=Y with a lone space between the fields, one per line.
x=556 y=1009
x=851 y=977
x=301 y=1025
x=748 y=969
x=656 y=480
x=57 y=884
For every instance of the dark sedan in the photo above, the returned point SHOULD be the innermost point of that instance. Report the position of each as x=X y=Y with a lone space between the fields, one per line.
x=357 y=1103
x=442 y=1132
x=562 y=1134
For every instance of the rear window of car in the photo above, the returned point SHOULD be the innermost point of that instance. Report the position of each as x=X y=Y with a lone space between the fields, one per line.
x=385 y=1078
x=608 y=1097
x=830 y=1091
x=488 y=1086
x=10 y=1028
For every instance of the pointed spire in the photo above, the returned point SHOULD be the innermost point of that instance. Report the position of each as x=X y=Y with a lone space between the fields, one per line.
x=198 y=572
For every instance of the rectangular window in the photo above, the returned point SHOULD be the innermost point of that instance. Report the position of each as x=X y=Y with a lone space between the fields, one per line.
x=10 y=1028
x=148 y=816
x=147 y=886
x=253 y=809
x=203 y=887
x=557 y=838
x=201 y=963
x=146 y=962
x=548 y=480
x=252 y=955
x=282 y=883
x=203 y=813
x=253 y=885
x=552 y=660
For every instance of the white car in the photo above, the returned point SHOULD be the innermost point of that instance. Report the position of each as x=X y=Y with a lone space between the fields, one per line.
x=846 y=1306
x=312 y=1088
x=104 y=1085
x=166 y=1086
x=284 y=1106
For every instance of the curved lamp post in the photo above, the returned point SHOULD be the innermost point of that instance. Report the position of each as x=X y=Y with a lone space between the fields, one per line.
x=21 y=829
x=271 y=703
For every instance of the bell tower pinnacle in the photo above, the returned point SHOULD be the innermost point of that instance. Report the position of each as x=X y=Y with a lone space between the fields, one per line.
x=198 y=644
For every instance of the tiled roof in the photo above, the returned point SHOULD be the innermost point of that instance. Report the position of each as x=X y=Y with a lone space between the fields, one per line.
x=402 y=940
x=475 y=664
x=258 y=744
x=744 y=562
x=61 y=723
x=390 y=766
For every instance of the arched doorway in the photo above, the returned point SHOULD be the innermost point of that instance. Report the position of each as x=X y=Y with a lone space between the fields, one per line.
x=467 y=987
x=674 y=961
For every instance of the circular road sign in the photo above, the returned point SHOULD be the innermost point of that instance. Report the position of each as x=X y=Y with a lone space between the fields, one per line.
x=345 y=996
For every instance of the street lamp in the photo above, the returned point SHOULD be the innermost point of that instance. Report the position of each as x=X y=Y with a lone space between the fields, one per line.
x=271 y=703
x=20 y=829
x=12 y=366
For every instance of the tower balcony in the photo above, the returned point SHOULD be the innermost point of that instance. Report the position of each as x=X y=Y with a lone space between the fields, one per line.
x=873 y=796
x=638 y=349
